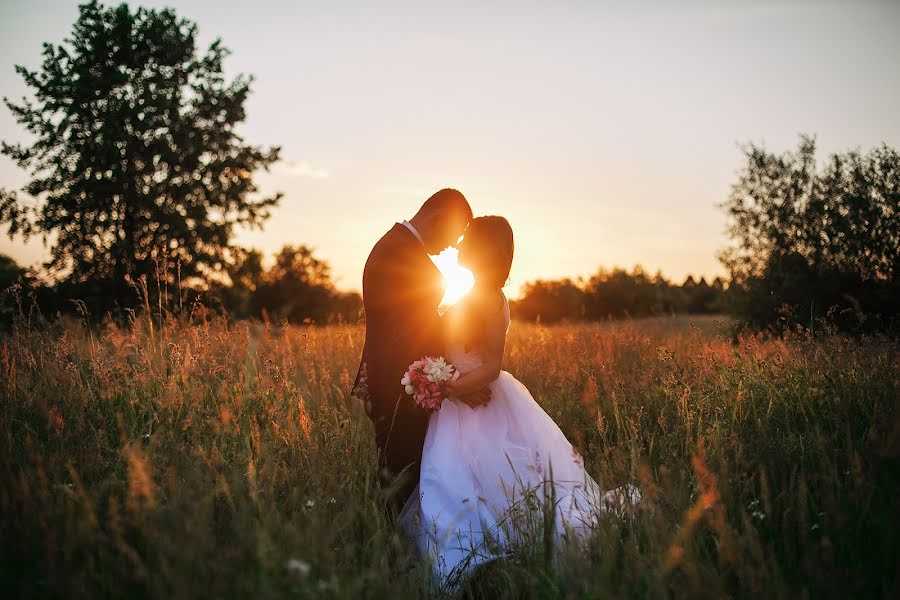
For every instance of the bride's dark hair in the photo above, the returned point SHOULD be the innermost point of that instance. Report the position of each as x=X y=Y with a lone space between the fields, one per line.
x=488 y=248
x=490 y=241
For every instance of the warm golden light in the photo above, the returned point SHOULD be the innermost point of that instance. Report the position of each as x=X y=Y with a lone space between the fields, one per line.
x=457 y=280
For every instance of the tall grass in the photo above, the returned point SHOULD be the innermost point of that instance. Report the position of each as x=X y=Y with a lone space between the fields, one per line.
x=221 y=459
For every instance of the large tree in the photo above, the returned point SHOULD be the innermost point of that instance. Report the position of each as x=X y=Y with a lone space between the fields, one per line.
x=135 y=161
x=809 y=241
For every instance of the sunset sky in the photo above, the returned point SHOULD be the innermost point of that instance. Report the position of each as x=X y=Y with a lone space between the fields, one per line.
x=605 y=132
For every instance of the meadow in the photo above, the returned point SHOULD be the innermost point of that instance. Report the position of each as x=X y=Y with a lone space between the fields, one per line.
x=168 y=459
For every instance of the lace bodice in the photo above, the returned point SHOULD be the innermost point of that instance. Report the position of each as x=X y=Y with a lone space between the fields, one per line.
x=468 y=361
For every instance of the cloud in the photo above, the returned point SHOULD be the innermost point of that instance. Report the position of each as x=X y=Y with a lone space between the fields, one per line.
x=301 y=168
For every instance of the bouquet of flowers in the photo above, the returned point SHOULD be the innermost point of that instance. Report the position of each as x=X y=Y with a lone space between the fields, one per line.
x=426 y=381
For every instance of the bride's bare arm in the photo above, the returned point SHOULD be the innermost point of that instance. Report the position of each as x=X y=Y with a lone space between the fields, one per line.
x=492 y=360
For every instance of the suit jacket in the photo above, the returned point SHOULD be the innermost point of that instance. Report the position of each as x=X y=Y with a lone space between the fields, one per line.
x=402 y=289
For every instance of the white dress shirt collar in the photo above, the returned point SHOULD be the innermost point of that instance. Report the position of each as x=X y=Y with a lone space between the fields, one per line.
x=414 y=231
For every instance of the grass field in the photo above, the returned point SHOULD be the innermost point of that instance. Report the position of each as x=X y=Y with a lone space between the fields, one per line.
x=227 y=460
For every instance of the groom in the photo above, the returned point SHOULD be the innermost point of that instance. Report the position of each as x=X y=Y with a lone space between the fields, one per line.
x=402 y=289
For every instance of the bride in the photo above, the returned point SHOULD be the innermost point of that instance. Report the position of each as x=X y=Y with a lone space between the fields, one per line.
x=490 y=475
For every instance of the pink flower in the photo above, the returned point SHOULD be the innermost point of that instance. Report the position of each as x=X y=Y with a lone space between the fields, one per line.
x=426 y=380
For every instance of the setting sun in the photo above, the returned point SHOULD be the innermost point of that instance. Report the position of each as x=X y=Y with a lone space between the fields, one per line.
x=459 y=280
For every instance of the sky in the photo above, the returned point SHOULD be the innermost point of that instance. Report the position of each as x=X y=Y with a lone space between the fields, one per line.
x=606 y=132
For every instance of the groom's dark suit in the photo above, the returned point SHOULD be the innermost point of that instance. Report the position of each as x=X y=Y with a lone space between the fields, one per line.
x=401 y=292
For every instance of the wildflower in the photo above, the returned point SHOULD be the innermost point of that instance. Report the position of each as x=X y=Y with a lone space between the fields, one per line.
x=755 y=511
x=298 y=566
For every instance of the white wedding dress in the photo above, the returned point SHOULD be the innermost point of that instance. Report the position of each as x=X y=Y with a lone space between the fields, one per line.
x=485 y=476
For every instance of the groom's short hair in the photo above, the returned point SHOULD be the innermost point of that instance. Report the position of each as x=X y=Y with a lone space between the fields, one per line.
x=448 y=202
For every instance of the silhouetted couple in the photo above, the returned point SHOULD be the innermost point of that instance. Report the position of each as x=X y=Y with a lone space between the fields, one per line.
x=462 y=473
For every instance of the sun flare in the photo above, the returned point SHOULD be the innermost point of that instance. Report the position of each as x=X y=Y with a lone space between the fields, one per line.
x=457 y=279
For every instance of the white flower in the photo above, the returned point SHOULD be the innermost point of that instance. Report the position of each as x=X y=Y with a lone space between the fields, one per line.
x=405 y=381
x=409 y=389
x=298 y=566
x=310 y=503
x=438 y=364
x=755 y=512
x=439 y=370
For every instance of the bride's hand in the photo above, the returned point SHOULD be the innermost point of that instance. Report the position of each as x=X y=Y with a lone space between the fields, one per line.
x=474 y=399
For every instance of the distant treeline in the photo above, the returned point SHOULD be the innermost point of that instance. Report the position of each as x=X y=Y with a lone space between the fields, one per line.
x=297 y=288
x=616 y=294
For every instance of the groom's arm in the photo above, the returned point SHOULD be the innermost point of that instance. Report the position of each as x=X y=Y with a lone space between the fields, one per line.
x=404 y=296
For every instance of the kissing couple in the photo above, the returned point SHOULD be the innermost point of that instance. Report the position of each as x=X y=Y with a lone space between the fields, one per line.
x=465 y=475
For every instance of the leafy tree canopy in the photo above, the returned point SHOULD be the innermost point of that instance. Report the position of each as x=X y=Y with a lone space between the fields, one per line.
x=136 y=161
x=809 y=241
